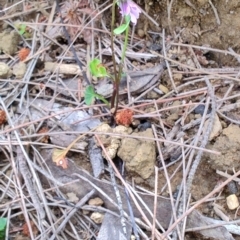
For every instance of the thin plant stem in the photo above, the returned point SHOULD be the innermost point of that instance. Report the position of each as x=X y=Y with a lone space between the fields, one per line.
x=113 y=54
x=124 y=47
x=117 y=82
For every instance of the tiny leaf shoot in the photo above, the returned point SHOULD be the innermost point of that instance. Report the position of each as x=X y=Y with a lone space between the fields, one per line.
x=90 y=95
x=97 y=69
x=122 y=28
x=3 y=225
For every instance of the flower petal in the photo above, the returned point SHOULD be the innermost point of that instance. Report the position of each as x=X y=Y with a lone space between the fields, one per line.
x=133 y=19
x=125 y=8
x=130 y=8
x=135 y=12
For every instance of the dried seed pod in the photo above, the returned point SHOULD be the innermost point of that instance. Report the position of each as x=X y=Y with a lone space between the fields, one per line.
x=23 y=53
x=124 y=117
x=3 y=117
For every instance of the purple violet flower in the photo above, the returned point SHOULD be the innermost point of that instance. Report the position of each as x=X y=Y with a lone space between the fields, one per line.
x=128 y=7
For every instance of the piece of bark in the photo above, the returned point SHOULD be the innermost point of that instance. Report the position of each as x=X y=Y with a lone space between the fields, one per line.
x=195 y=219
x=96 y=159
x=81 y=188
x=140 y=81
x=108 y=229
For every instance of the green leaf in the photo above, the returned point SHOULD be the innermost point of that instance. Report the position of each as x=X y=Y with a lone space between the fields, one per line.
x=89 y=95
x=98 y=96
x=120 y=29
x=22 y=29
x=3 y=224
x=97 y=69
x=127 y=19
x=124 y=26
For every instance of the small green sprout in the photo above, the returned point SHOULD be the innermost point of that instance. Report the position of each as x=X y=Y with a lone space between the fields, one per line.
x=90 y=95
x=3 y=225
x=97 y=69
x=122 y=28
x=21 y=28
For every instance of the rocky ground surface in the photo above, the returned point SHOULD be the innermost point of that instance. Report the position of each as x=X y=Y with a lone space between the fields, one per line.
x=172 y=104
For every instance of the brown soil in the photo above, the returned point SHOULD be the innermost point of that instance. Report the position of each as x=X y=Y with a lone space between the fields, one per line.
x=200 y=24
x=196 y=25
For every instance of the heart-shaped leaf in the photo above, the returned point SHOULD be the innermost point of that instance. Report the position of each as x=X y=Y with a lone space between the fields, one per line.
x=89 y=95
x=97 y=69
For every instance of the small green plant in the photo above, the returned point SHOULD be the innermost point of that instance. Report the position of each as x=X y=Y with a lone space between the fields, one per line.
x=130 y=12
x=90 y=95
x=3 y=225
x=97 y=69
x=23 y=30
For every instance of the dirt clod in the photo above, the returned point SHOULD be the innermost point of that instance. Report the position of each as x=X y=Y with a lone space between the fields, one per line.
x=9 y=42
x=139 y=154
x=5 y=70
x=228 y=144
x=95 y=201
x=19 y=70
x=97 y=217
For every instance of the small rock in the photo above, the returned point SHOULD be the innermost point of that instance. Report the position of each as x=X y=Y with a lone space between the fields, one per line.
x=200 y=109
x=95 y=201
x=156 y=47
x=173 y=117
x=144 y=126
x=149 y=110
x=97 y=217
x=191 y=116
x=5 y=71
x=175 y=106
x=163 y=89
x=149 y=65
x=135 y=123
x=140 y=33
x=232 y=202
x=197 y=116
x=152 y=95
x=224 y=124
x=111 y=143
x=228 y=144
x=216 y=129
x=177 y=76
x=9 y=42
x=232 y=187
x=139 y=154
x=122 y=130
x=72 y=197
x=19 y=70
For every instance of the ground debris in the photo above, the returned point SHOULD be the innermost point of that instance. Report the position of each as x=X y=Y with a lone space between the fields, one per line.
x=228 y=144
x=9 y=42
x=139 y=154
x=108 y=229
